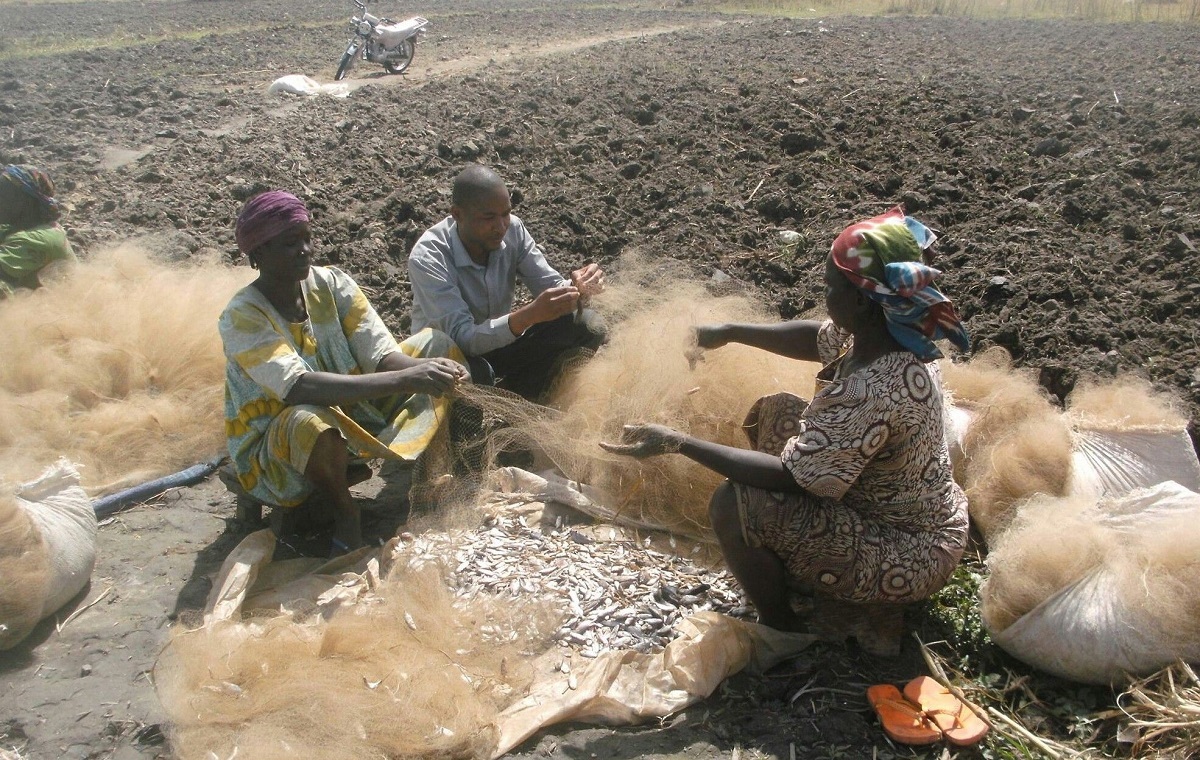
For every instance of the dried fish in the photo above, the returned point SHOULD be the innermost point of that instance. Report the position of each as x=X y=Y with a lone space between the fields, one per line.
x=618 y=593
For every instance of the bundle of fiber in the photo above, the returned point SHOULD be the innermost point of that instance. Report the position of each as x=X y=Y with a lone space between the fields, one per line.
x=1119 y=598
x=1017 y=442
x=47 y=549
x=116 y=366
x=1128 y=436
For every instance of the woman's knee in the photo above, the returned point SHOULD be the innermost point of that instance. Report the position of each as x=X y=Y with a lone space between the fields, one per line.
x=723 y=510
x=430 y=343
x=329 y=457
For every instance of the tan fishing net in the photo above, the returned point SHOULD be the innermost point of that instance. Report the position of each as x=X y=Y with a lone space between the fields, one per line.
x=650 y=372
x=118 y=367
x=413 y=664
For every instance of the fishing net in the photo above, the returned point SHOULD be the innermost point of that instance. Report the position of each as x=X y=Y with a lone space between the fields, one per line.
x=329 y=676
x=648 y=372
x=1017 y=443
x=117 y=367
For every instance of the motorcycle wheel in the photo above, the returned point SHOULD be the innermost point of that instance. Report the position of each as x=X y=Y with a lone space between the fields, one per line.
x=399 y=65
x=347 y=63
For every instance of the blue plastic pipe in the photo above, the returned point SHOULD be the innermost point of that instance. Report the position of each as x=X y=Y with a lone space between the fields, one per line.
x=146 y=491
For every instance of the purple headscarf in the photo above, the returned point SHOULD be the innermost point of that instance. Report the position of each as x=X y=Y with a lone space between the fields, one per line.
x=267 y=216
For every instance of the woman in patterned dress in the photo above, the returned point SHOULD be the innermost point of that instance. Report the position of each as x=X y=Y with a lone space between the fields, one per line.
x=849 y=497
x=312 y=373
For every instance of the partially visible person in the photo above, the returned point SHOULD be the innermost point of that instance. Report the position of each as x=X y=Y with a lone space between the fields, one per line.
x=850 y=497
x=31 y=238
x=312 y=373
x=464 y=272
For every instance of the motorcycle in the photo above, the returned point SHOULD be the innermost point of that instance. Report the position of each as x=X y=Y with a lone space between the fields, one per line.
x=381 y=40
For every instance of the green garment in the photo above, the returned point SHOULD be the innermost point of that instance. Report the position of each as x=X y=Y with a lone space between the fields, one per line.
x=25 y=253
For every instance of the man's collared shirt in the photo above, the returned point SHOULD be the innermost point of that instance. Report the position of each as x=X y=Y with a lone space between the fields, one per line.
x=468 y=301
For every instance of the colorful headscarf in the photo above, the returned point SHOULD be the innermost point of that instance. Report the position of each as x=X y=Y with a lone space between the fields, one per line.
x=37 y=184
x=882 y=256
x=267 y=216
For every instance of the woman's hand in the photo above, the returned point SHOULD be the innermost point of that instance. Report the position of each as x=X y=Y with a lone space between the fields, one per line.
x=641 y=441
x=436 y=376
x=711 y=336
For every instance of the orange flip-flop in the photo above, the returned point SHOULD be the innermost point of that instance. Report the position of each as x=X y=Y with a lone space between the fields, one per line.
x=902 y=720
x=957 y=721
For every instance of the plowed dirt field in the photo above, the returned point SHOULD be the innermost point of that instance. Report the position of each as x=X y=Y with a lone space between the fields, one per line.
x=1059 y=160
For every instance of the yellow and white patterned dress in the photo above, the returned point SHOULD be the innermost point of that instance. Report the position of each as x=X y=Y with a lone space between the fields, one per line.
x=270 y=440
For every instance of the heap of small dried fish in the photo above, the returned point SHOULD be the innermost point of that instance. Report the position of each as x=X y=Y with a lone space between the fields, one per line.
x=616 y=592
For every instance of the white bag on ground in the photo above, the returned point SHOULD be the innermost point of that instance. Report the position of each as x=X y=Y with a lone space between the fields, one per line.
x=299 y=84
x=47 y=549
x=1099 y=591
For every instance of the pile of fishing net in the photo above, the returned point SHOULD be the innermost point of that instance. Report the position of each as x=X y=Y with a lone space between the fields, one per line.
x=395 y=653
x=294 y=659
x=118 y=367
x=434 y=646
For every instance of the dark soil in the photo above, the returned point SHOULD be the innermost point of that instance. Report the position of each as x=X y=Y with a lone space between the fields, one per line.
x=1060 y=161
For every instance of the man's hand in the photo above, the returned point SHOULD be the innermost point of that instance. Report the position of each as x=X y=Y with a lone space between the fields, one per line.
x=550 y=304
x=589 y=280
x=642 y=441
x=436 y=376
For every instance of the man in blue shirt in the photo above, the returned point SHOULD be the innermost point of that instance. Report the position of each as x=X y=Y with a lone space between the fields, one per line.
x=464 y=272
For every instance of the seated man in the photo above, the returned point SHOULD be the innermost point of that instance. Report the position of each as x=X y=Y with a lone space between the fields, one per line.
x=464 y=272
x=313 y=373
x=30 y=236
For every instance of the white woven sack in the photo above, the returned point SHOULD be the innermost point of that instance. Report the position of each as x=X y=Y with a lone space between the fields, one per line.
x=299 y=84
x=61 y=509
x=61 y=515
x=1089 y=631
x=1115 y=462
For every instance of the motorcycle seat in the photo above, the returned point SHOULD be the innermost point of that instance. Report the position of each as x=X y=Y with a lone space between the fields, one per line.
x=393 y=34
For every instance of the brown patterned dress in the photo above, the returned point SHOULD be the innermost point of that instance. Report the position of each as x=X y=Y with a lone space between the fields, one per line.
x=881 y=518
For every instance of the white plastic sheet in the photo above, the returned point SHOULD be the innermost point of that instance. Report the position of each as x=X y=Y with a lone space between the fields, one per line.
x=1116 y=462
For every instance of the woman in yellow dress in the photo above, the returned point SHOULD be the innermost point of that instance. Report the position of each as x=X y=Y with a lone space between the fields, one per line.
x=312 y=373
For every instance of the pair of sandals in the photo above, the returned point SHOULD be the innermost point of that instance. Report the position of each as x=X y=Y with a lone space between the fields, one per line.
x=926 y=713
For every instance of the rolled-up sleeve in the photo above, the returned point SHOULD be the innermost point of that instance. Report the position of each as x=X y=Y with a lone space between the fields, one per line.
x=444 y=308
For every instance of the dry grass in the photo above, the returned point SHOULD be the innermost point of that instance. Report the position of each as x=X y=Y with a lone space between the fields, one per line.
x=1187 y=11
x=1164 y=711
x=37 y=45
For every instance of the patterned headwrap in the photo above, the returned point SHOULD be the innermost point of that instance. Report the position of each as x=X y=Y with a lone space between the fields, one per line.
x=882 y=256
x=35 y=183
x=267 y=216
